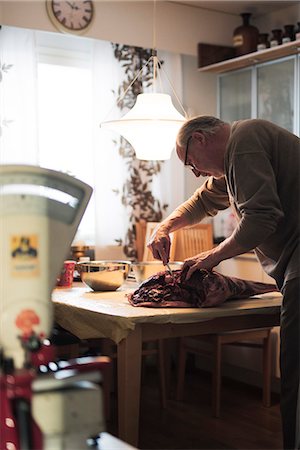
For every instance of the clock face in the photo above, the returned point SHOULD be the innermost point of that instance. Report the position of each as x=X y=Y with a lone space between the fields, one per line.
x=73 y=16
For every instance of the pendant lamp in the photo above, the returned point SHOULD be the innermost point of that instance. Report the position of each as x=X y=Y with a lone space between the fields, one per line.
x=150 y=126
x=153 y=122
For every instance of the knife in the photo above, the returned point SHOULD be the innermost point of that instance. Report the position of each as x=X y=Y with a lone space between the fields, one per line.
x=167 y=265
x=170 y=270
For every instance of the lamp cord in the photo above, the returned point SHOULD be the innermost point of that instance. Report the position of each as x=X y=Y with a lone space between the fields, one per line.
x=173 y=89
x=154 y=52
x=121 y=96
x=156 y=64
x=154 y=26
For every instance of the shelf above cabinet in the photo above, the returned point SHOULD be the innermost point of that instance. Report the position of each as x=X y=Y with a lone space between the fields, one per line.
x=251 y=59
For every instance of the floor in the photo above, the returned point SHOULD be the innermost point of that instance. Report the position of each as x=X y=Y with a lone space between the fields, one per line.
x=244 y=422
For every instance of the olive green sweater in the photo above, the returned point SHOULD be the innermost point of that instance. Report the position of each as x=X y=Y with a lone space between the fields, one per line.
x=262 y=183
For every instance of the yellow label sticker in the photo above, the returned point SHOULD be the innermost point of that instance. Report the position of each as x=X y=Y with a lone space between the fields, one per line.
x=238 y=40
x=24 y=255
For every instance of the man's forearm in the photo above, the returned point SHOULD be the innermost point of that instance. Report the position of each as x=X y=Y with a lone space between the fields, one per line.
x=176 y=220
x=228 y=249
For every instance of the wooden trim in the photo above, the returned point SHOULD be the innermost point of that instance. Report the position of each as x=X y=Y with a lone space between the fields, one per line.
x=291 y=48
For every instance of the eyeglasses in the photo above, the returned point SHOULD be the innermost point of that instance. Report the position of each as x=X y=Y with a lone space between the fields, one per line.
x=191 y=166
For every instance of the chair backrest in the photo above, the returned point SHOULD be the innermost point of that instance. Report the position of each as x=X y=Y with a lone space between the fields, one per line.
x=188 y=242
x=140 y=237
x=147 y=254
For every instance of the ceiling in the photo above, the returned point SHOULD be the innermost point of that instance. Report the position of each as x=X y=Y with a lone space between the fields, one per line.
x=256 y=7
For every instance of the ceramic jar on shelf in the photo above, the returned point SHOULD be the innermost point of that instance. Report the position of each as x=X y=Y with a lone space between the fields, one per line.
x=276 y=38
x=245 y=37
x=288 y=34
x=297 y=31
x=263 y=41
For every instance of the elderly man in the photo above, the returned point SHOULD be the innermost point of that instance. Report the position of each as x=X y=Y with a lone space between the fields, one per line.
x=253 y=166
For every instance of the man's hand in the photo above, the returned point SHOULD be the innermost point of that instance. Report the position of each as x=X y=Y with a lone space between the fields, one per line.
x=206 y=260
x=160 y=244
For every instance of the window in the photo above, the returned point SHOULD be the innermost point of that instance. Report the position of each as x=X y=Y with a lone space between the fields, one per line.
x=65 y=116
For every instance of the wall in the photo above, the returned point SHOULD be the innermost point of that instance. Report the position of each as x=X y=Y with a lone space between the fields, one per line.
x=178 y=28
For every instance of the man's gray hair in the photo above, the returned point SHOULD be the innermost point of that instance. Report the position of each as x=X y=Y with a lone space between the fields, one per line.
x=208 y=125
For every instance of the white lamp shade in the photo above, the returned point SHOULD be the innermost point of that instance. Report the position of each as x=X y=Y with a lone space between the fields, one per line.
x=150 y=126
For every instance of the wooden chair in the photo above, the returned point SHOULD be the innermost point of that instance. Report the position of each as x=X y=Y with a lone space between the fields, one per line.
x=190 y=241
x=186 y=243
x=238 y=338
x=147 y=254
x=140 y=236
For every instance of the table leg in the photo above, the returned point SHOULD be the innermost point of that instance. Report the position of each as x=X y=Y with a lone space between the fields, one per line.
x=129 y=386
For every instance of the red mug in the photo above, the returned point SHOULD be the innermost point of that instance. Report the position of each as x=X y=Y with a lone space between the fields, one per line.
x=65 y=279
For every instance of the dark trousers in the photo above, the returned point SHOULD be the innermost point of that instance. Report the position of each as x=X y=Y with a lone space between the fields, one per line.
x=289 y=363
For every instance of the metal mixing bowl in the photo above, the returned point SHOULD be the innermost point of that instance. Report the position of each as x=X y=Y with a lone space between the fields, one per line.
x=145 y=269
x=104 y=275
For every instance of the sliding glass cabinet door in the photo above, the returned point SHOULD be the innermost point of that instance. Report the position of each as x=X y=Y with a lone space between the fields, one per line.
x=276 y=92
x=235 y=95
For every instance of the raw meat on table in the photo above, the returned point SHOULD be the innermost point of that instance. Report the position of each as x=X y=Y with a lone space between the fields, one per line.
x=204 y=289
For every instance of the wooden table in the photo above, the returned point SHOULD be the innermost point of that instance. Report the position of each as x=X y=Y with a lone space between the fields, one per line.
x=92 y=315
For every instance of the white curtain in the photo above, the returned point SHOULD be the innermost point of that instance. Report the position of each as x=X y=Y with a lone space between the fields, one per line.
x=18 y=96
x=110 y=171
x=20 y=52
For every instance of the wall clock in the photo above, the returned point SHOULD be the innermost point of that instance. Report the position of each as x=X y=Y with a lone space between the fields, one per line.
x=71 y=16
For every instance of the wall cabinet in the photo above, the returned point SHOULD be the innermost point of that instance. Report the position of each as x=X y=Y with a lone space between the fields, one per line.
x=263 y=84
x=269 y=90
x=235 y=95
x=275 y=93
